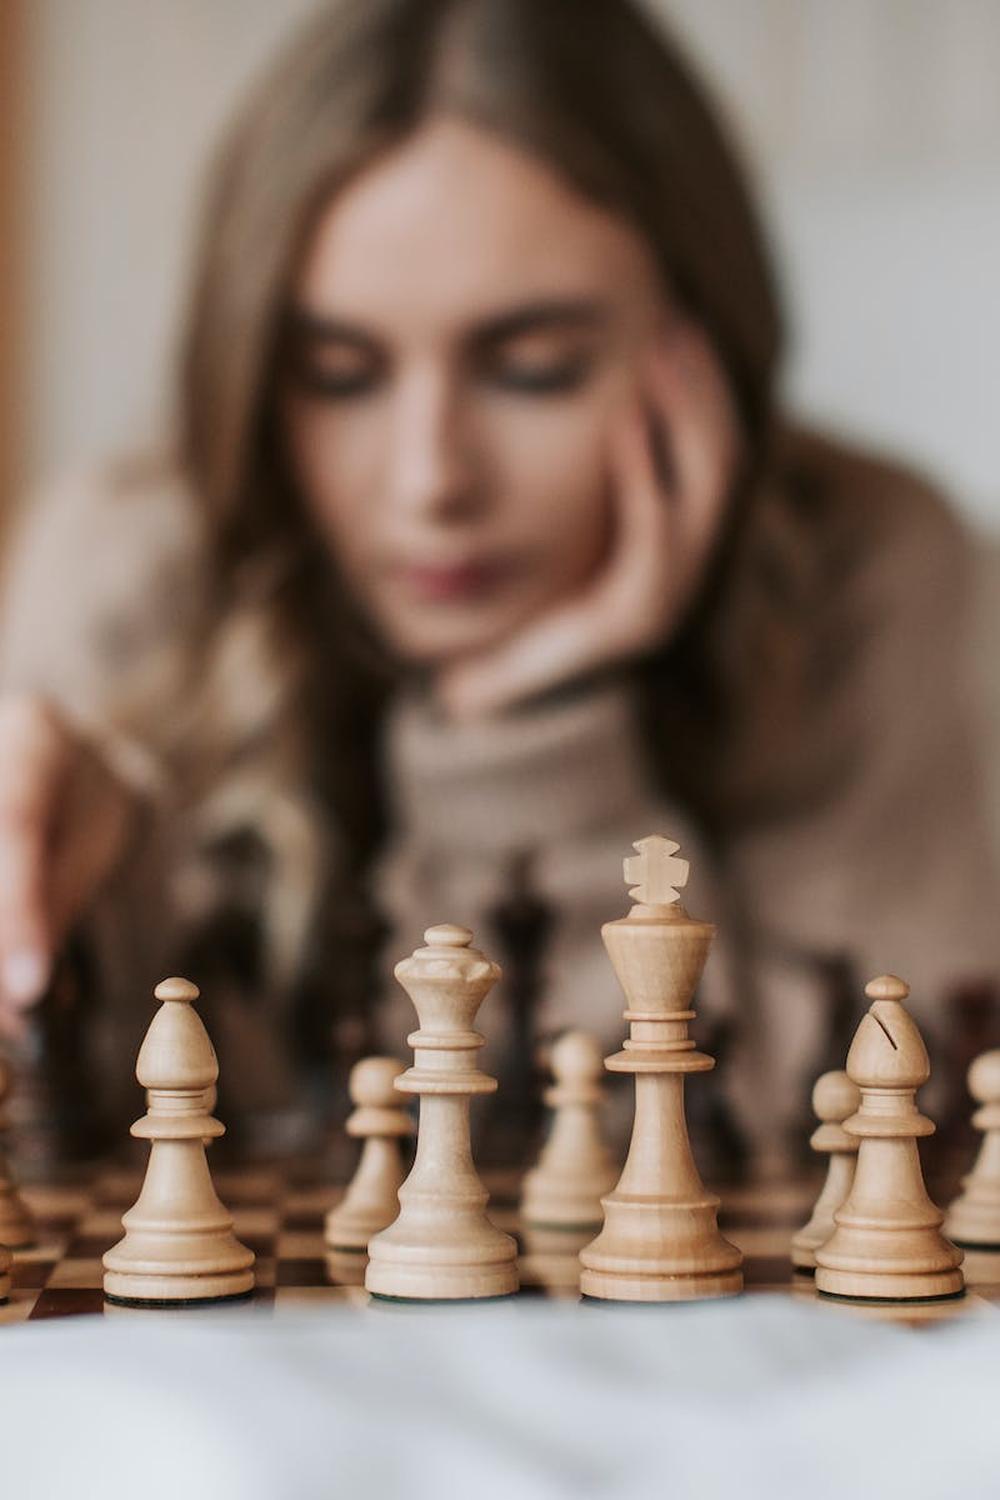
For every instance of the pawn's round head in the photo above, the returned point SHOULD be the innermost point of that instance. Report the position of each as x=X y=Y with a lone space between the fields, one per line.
x=887 y=987
x=984 y=1078
x=576 y=1057
x=176 y=1054
x=835 y=1097
x=177 y=989
x=371 y=1082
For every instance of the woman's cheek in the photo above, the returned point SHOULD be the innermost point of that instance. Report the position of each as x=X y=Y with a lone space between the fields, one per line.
x=331 y=459
x=558 y=461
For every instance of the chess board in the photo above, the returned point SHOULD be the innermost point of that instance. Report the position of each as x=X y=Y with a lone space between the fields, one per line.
x=279 y=1213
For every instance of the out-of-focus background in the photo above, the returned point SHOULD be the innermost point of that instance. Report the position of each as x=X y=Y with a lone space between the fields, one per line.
x=874 y=127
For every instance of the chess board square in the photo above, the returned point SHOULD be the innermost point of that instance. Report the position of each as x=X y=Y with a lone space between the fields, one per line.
x=299 y=1245
x=68 y=1302
x=17 y=1308
x=54 y=1204
x=328 y=1296
x=306 y=1272
x=47 y=1248
x=312 y=1202
x=255 y=1220
x=118 y=1187
x=91 y=1246
x=26 y=1274
x=265 y=1270
x=260 y=1186
x=102 y=1223
x=83 y=1272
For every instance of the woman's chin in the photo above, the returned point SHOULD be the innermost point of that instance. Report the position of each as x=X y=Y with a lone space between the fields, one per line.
x=435 y=639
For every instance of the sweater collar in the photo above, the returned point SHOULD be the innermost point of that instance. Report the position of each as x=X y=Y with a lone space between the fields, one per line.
x=534 y=775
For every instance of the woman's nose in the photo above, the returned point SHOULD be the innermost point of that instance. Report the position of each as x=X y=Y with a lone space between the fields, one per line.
x=434 y=469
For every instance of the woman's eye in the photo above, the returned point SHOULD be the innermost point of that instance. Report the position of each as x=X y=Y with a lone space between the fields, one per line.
x=336 y=384
x=331 y=372
x=337 y=387
x=534 y=377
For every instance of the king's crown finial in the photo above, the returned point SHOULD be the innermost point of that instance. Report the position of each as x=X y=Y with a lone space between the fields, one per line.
x=654 y=875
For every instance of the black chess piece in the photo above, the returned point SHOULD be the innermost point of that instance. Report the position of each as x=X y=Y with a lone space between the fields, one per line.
x=522 y=924
x=57 y=1112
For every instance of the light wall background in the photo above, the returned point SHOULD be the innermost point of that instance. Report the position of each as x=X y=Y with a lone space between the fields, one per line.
x=873 y=126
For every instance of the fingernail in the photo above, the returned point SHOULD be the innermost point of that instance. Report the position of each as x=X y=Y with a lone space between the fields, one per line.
x=24 y=976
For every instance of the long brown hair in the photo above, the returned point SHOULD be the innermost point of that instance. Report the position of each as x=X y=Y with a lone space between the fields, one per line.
x=288 y=698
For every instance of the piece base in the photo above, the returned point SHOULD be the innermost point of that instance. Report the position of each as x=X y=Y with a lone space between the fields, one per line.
x=605 y=1286
x=440 y=1284
x=892 y=1301
x=137 y=1288
x=160 y=1303
x=857 y=1286
x=386 y=1299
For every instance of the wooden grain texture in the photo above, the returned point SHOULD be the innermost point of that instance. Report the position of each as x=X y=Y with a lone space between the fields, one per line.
x=575 y=1168
x=179 y=1244
x=661 y=1241
x=888 y=1245
x=834 y=1099
x=974 y=1218
x=443 y=1247
x=379 y=1121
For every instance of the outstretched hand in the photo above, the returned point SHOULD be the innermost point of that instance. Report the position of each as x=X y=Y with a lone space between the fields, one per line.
x=64 y=817
x=672 y=458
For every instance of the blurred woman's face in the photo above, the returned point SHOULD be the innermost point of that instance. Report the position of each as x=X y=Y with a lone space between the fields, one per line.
x=465 y=329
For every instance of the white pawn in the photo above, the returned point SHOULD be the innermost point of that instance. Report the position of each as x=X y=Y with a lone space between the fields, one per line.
x=371 y=1201
x=974 y=1217
x=17 y=1228
x=835 y=1098
x=575 y=1169
x=179 y=1245
x=442 y=1246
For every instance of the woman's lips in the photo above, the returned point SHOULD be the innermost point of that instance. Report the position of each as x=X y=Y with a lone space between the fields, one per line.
x=452 y=582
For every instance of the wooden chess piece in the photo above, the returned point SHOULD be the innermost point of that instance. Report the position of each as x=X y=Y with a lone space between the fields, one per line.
x=442 y=1246
x=661 y=1240
x=17 y=1228
x=974 y=1217
x=887 y=1245
x=5 y=1264
x=550 y=1257
x=379 y=1120
x=834 y=1098
x=575 y=1169
x=179 y=1247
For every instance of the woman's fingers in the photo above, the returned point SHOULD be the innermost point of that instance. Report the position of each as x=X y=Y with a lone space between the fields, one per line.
x=619 y=611
x=33 y=760
x=672 y=459
x=691 y=394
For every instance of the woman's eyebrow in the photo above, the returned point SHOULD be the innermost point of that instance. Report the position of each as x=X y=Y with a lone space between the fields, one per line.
x=530 y=317
x=321 y=328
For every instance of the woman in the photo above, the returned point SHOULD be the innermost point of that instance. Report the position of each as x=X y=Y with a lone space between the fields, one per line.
x=485 y=551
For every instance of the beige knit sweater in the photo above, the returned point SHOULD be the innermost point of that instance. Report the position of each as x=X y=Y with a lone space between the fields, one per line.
x=893 y=871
